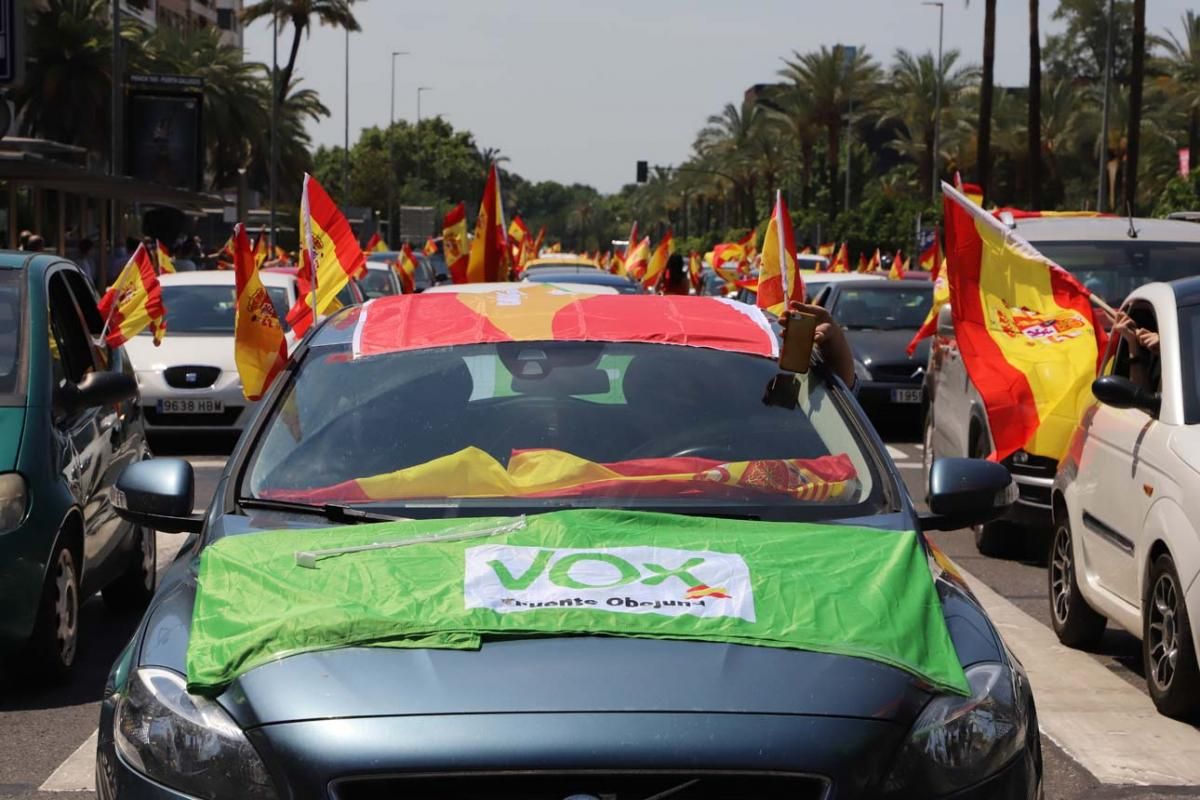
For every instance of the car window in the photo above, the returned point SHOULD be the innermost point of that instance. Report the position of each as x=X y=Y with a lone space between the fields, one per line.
x=12 y=338
x=210 y=309
x=883 y=308
x=70 y=344
x=377 y=283
x=1189 y=351
x=1113 y=269
x=649 y=426
x=1146 y=370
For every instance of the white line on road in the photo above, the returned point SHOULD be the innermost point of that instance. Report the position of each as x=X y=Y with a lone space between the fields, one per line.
x=207 y=462
x=78 y=772
x=1108 y=726
x=896 y=453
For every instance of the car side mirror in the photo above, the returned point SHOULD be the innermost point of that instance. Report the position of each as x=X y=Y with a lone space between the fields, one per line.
x=1118 y=392
x=96 y=389
x=158 y=494
x=945 y=321
x=965 y=492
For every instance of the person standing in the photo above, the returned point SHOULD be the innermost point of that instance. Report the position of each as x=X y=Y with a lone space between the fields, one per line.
x=676 y=280
x=86 y=262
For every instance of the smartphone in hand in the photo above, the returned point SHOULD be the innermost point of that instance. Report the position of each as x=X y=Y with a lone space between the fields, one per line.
x=796 y=353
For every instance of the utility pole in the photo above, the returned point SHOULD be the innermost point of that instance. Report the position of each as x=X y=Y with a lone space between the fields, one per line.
x=346 y=130
x=271 y=168
x=114 y=158
x=391 y=124
x=937 y=105
x=1101 y=190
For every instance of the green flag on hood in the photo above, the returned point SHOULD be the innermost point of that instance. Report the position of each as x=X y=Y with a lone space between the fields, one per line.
x=452 y=583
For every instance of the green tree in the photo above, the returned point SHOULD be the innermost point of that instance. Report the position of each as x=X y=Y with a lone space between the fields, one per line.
x=1034 y=123
x=1078 y=52
x=1180 y=62
x=300 y=13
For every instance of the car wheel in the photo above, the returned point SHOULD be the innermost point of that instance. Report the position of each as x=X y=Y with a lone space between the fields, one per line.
x=1074 y=621
x=56 y=633
x=1168 y=655
x=133 y=590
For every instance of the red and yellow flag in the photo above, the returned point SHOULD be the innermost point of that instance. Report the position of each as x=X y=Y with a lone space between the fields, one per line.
x=826 y=250
x=518 y=241
x=165 y=264
x=876 y=262
x=657 y=266
x=329 y=255
x=864 y=265
x=454 y=242
x=282 y=256
x=430 y=248
x=779 y=280
x=133 y=302
x=1025 y=328
x=897 y=270
x=376 y=244
x=259 y=348
x=260 y=248
x=696 y=270
x=941 y=296
x=972 y=191
x=406 y=269
x=929 y=260
x=487 y=259
x=537 y=243
x=748 y=247
x=841 y=262
x=637 y=261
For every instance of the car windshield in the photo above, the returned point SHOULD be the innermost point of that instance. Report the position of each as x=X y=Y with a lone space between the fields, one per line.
x=377 y=283
x=530 y=426
x=589 y=278
x=1113 y=269
x=201 y=309
x=883 y=308
x=11 y=350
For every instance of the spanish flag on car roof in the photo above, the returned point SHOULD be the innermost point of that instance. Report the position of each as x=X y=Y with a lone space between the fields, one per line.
x=1025 y=328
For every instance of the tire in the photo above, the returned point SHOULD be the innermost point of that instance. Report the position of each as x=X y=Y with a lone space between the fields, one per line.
x=1168 y=654
x=998 y=538
x=53 y=646
x=134 y=588
x=1074 y=622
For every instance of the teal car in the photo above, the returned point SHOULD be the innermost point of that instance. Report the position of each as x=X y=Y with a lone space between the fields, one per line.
x=69 y=424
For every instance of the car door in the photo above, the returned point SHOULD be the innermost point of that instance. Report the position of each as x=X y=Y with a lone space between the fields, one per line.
x=1116 y=476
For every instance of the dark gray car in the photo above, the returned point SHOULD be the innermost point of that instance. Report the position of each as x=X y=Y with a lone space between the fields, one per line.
x=554 y=717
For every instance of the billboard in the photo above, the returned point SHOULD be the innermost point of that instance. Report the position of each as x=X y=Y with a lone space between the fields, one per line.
x=163 y=134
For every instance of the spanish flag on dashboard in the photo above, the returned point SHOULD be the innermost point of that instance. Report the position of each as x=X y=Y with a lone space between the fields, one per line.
x=1025 y=328
x=133 y=302
x=259 y=348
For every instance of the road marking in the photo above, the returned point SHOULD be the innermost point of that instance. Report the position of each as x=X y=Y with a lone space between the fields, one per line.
x=910 y=465
x=1109 y=727
x=896 y=453
x=207 y=462
x=78 y=772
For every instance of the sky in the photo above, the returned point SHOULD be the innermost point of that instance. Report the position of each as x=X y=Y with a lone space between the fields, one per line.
x=578 y=92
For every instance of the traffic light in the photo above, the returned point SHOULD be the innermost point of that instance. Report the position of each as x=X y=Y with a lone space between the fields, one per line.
x=643 y=171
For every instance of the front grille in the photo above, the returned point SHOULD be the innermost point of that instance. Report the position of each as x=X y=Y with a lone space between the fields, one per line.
x=224 y=419
x=1032 y=466
x=601 y=785
x=897 y=373
x=191 y=377
x=1037 y=495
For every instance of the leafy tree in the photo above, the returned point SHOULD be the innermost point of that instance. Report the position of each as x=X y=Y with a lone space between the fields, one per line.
x=300 y=13
x=1078 y=52
x=1180 y=63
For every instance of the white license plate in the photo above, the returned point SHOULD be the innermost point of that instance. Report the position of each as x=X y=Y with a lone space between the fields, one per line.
x=906 y=395
x=198 y=405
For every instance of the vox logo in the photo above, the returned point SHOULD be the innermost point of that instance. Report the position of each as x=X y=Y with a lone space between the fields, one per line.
x=640 y=580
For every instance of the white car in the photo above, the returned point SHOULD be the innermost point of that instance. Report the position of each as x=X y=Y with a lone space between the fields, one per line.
x=190 y=382
x=1126 y=501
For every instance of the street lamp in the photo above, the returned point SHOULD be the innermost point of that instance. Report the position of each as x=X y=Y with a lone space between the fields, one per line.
x=419 y=90
x=937 y=101
x=391 y=123
x=392 y=117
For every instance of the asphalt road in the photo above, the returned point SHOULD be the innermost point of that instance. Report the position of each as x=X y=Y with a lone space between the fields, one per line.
x=45 y=735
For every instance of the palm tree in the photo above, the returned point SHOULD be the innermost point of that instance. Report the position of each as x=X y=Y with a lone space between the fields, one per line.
x=294 y=155
x=733 y=139
x=1136 y=77
x=789 y=113
x=335 y=13
x=66 y=93
x=984 y=154
x=1181 y=62
x=833 y=80
x=1035 y=108
x=913 y=89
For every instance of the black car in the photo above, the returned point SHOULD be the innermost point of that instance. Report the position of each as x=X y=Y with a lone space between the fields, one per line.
x=569 y=715
x=881 y=318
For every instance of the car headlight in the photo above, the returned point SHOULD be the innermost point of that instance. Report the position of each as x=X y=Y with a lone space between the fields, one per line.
x=14 y=499
x=861 y=372
x=959 y=741
x=186 y=742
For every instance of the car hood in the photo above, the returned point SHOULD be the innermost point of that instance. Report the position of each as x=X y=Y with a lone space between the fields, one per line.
x=12 y=424
x=176 y=349
x=887 y=347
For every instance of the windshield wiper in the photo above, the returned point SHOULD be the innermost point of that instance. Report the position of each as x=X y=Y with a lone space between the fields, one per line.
x=330 y=511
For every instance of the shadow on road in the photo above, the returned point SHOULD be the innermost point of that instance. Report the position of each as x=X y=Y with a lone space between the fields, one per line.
x=193 y=444
x=103 y=634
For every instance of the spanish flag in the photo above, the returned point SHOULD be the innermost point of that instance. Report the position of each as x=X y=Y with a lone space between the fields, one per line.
x=972 y=191
x=259 y=348
x=329 y=255
x=1025 y=328
x=165 y=264
x=863 y=264
x=133 y=302
x=941 y=296
x=747 y=243
x=841 y=263
x=518 y=236
x=826 y=250
x=630 y=245
x=260 y=248
x=537 y=243
x=454 y=242
x=929 y=260
x=406 y=269
x=487 y=260
x=658 y=262
x=897 y=271
x=696 y=270
x=779 y=280
x=376 y=244
x=430 y=248
x=282 y=256
x=637 y=261
x=876 y=261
